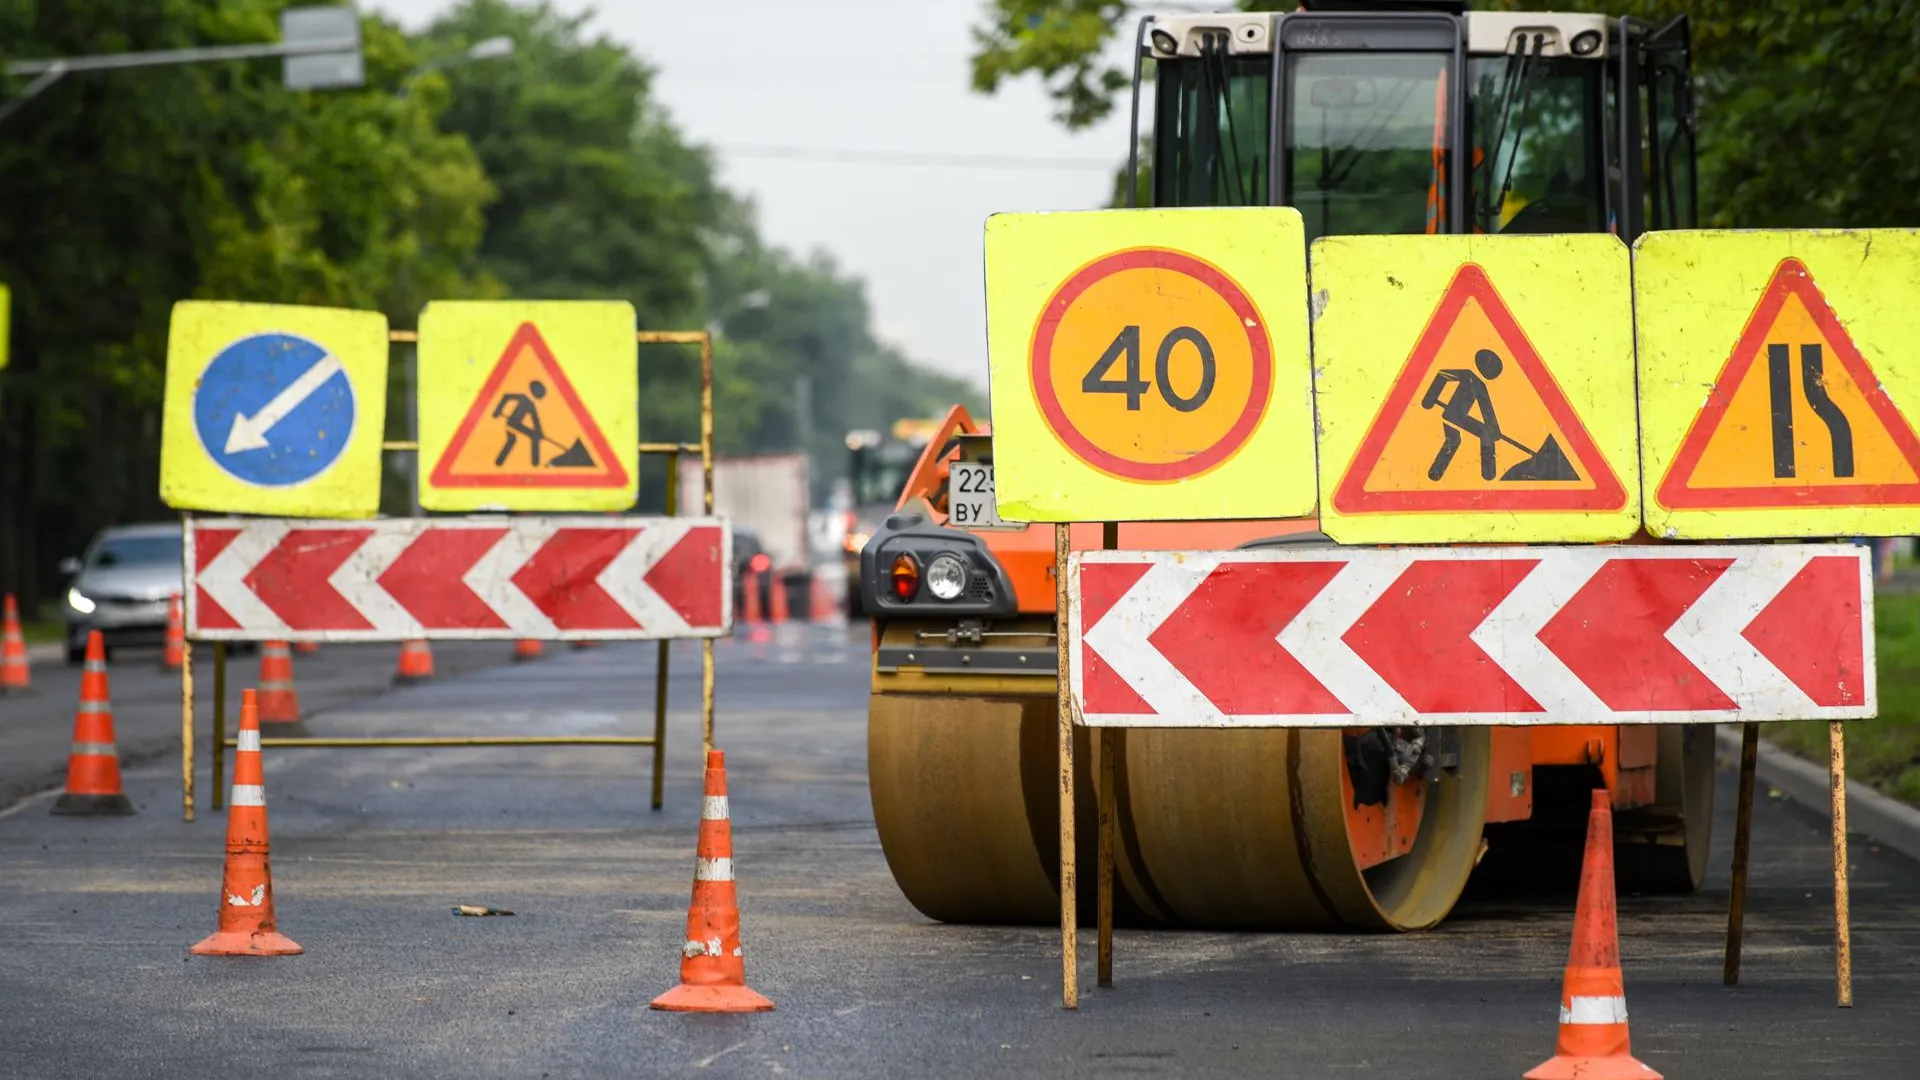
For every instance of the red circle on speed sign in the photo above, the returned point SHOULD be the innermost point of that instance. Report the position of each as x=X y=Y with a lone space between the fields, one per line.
x=1151 y=365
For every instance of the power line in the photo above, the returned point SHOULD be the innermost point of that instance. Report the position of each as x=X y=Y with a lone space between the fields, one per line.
x=913 y=159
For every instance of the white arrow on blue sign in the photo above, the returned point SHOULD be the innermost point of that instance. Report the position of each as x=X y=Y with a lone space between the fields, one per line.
x=274 y=409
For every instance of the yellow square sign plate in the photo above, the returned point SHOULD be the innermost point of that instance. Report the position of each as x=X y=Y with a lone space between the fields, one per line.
x=1149 y=365
x=1474 y=389
x=1776 y=374
x=274 y=409
x=528 y=405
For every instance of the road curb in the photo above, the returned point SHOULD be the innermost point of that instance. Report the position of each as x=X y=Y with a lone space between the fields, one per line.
x=1882 y=817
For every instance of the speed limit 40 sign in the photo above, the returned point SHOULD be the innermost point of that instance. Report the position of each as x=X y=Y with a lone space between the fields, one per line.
x=1150 y=365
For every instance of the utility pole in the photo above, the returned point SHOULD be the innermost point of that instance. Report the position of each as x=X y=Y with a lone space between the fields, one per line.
x=803 y=425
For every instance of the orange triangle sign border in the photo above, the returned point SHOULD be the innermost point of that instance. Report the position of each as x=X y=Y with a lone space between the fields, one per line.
x=1790 y=279
x=1471 y=283
x=611 y=474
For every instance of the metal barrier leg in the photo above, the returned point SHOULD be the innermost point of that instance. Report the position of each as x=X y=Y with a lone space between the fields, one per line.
x=186 y=730
x=1742 y=834
x=660 y=725
x=1109 y=750
x=1842 y=932
x=1069 y=888
x=217 y=798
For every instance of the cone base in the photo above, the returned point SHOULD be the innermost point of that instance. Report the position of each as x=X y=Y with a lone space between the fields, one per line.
x=93 y=805
x=1611 y=1067
x=410 y=680
x=284 y=729
x=241 y=943
x=711 y=999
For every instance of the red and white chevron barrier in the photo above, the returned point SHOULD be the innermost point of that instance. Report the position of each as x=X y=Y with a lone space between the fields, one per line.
x=1581 y=635
x=522 y=577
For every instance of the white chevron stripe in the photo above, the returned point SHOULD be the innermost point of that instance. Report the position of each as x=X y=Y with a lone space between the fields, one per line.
x=1511 y=634
x=1709 y=633
x=358 y=578
x=492 y=577
x=1314 y=635
x=625 y=578
x=224 y=578
x=1120 y=637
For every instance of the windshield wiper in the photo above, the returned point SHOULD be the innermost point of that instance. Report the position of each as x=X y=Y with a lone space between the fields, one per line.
x=1213 y=77
x=1519 y=81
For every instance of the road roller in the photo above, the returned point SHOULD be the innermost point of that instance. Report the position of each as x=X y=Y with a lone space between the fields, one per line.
x=1369 y=118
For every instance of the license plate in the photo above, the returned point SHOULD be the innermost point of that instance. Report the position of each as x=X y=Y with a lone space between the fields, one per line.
x=970 y=497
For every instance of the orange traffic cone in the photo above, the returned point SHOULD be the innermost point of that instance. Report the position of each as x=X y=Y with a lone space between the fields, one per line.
x=823 y=608
x=246 y=887
x=173 y=651
x=306 y=646
x=14 y=674
x=583 y=643
x=1593 y=999
x=416 y=662
x=93 y=767
x=713 y=972
x=279 y=701
x=778 y=601
x=526 y=649
x=750 y=612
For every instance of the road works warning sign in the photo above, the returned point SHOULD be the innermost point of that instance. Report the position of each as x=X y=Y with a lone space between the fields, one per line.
x=1797 y=429
x=1149 y=364
x=1475 y=389
x=273 y=409
x=527 y=406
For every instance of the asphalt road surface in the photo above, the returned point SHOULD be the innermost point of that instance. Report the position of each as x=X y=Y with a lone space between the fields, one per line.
x=373 y=847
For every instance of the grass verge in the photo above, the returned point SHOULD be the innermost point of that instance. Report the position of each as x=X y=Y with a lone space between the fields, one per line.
x=1885 y=751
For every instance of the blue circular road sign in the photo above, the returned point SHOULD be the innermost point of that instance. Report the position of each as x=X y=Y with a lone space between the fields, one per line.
x=274 y=409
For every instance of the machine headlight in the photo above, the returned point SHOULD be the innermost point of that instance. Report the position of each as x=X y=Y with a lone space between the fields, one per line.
x=1586 y=42
x=79 y=602
x=946 y=577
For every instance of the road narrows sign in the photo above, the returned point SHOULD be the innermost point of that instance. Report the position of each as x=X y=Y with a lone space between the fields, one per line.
x=1475 y=388
x=1800 y=431
x=1334 y=637
x=528 y=405
x=274 y=409
x=1149 y=364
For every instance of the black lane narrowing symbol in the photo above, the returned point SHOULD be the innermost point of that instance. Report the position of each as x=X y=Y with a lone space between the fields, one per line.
x=1813 y=384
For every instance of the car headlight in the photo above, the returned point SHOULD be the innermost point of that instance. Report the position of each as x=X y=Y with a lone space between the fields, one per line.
x=946 y=577
x=78 y=601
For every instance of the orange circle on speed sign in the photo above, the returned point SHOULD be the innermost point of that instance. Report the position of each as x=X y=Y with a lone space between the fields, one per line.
x=1151 y=365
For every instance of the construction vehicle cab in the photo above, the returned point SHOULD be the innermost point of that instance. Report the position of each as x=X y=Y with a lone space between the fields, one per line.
x=1403 y=118
x=1421 y=118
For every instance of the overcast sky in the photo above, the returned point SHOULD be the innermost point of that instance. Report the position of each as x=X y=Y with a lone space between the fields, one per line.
x=781 y=90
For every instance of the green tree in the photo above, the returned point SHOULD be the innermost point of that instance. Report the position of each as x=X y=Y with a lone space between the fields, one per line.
x=131 y=190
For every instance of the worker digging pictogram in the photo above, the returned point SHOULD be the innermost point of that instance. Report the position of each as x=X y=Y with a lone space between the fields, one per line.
x=1465 y=400
x=528 y=427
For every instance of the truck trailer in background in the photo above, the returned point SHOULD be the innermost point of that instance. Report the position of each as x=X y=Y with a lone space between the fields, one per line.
x=766 y=497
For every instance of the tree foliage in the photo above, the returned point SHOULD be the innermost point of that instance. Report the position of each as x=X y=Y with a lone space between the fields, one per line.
x=553 y=172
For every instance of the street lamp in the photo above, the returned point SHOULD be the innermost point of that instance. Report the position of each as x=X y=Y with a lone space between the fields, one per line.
x=491 y=48
x=486 y=49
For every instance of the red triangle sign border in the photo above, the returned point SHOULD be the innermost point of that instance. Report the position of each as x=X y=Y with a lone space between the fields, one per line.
x=1471 y=283
x=1790 y=278
x=613 y=475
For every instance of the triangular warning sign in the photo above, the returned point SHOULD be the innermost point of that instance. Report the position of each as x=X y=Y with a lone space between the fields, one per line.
x=1475 y=421
x=528 y=428
x=1796 y=418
